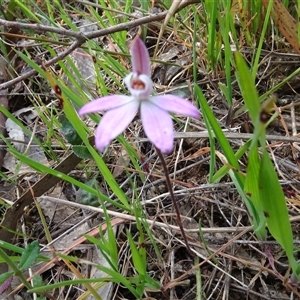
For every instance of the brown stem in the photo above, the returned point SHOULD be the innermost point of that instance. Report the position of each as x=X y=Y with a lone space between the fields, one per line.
x=170 y=188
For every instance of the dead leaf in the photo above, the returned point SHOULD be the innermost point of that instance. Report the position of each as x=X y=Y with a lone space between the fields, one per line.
x=285 y=23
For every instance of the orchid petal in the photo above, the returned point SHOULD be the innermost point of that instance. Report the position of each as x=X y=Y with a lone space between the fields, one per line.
x=158 y=126
x=176 y=105
x=140 y=58
x=139 y=93
x=114 y=122
x=104 y=103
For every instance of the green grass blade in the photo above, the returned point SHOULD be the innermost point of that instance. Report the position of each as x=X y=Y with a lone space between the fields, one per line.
x=252 y=191
x=255 y=64
x=247 y=87
x=212 y=7
x=224 y=170
x=275 y=209
x=138 y=261
x=228 y=152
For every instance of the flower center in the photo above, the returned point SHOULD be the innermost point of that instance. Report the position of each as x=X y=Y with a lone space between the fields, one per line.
x=137 y=84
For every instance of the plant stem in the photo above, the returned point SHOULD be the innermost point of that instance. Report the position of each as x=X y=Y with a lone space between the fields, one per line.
x=170 y=188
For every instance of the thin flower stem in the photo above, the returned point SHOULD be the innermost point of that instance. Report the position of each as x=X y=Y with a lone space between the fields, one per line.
x=170 y=188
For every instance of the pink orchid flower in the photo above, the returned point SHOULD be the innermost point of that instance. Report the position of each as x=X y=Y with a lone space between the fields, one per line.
x=154 y=110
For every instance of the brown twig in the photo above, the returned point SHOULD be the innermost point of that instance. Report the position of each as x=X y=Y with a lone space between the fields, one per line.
x=41 y=28
x=80 y=37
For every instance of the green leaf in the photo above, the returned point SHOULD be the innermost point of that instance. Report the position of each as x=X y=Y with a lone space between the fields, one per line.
x=82 y=152
x=274 y=206
x=252 y=192
x=137 y=259
x=152 y=283
x=247 y=86
x=29 y=256
x=182 y=91
x=19 y=250
x=37 y=280
x=87 y=198
x=69 y=131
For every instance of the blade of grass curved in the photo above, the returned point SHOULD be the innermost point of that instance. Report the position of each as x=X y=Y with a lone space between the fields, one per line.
x=107 y=245
x=104 y=247
x=273 y=89
x=139 y=261
x=279 y=85
x=79 y=126
x=46 y=170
